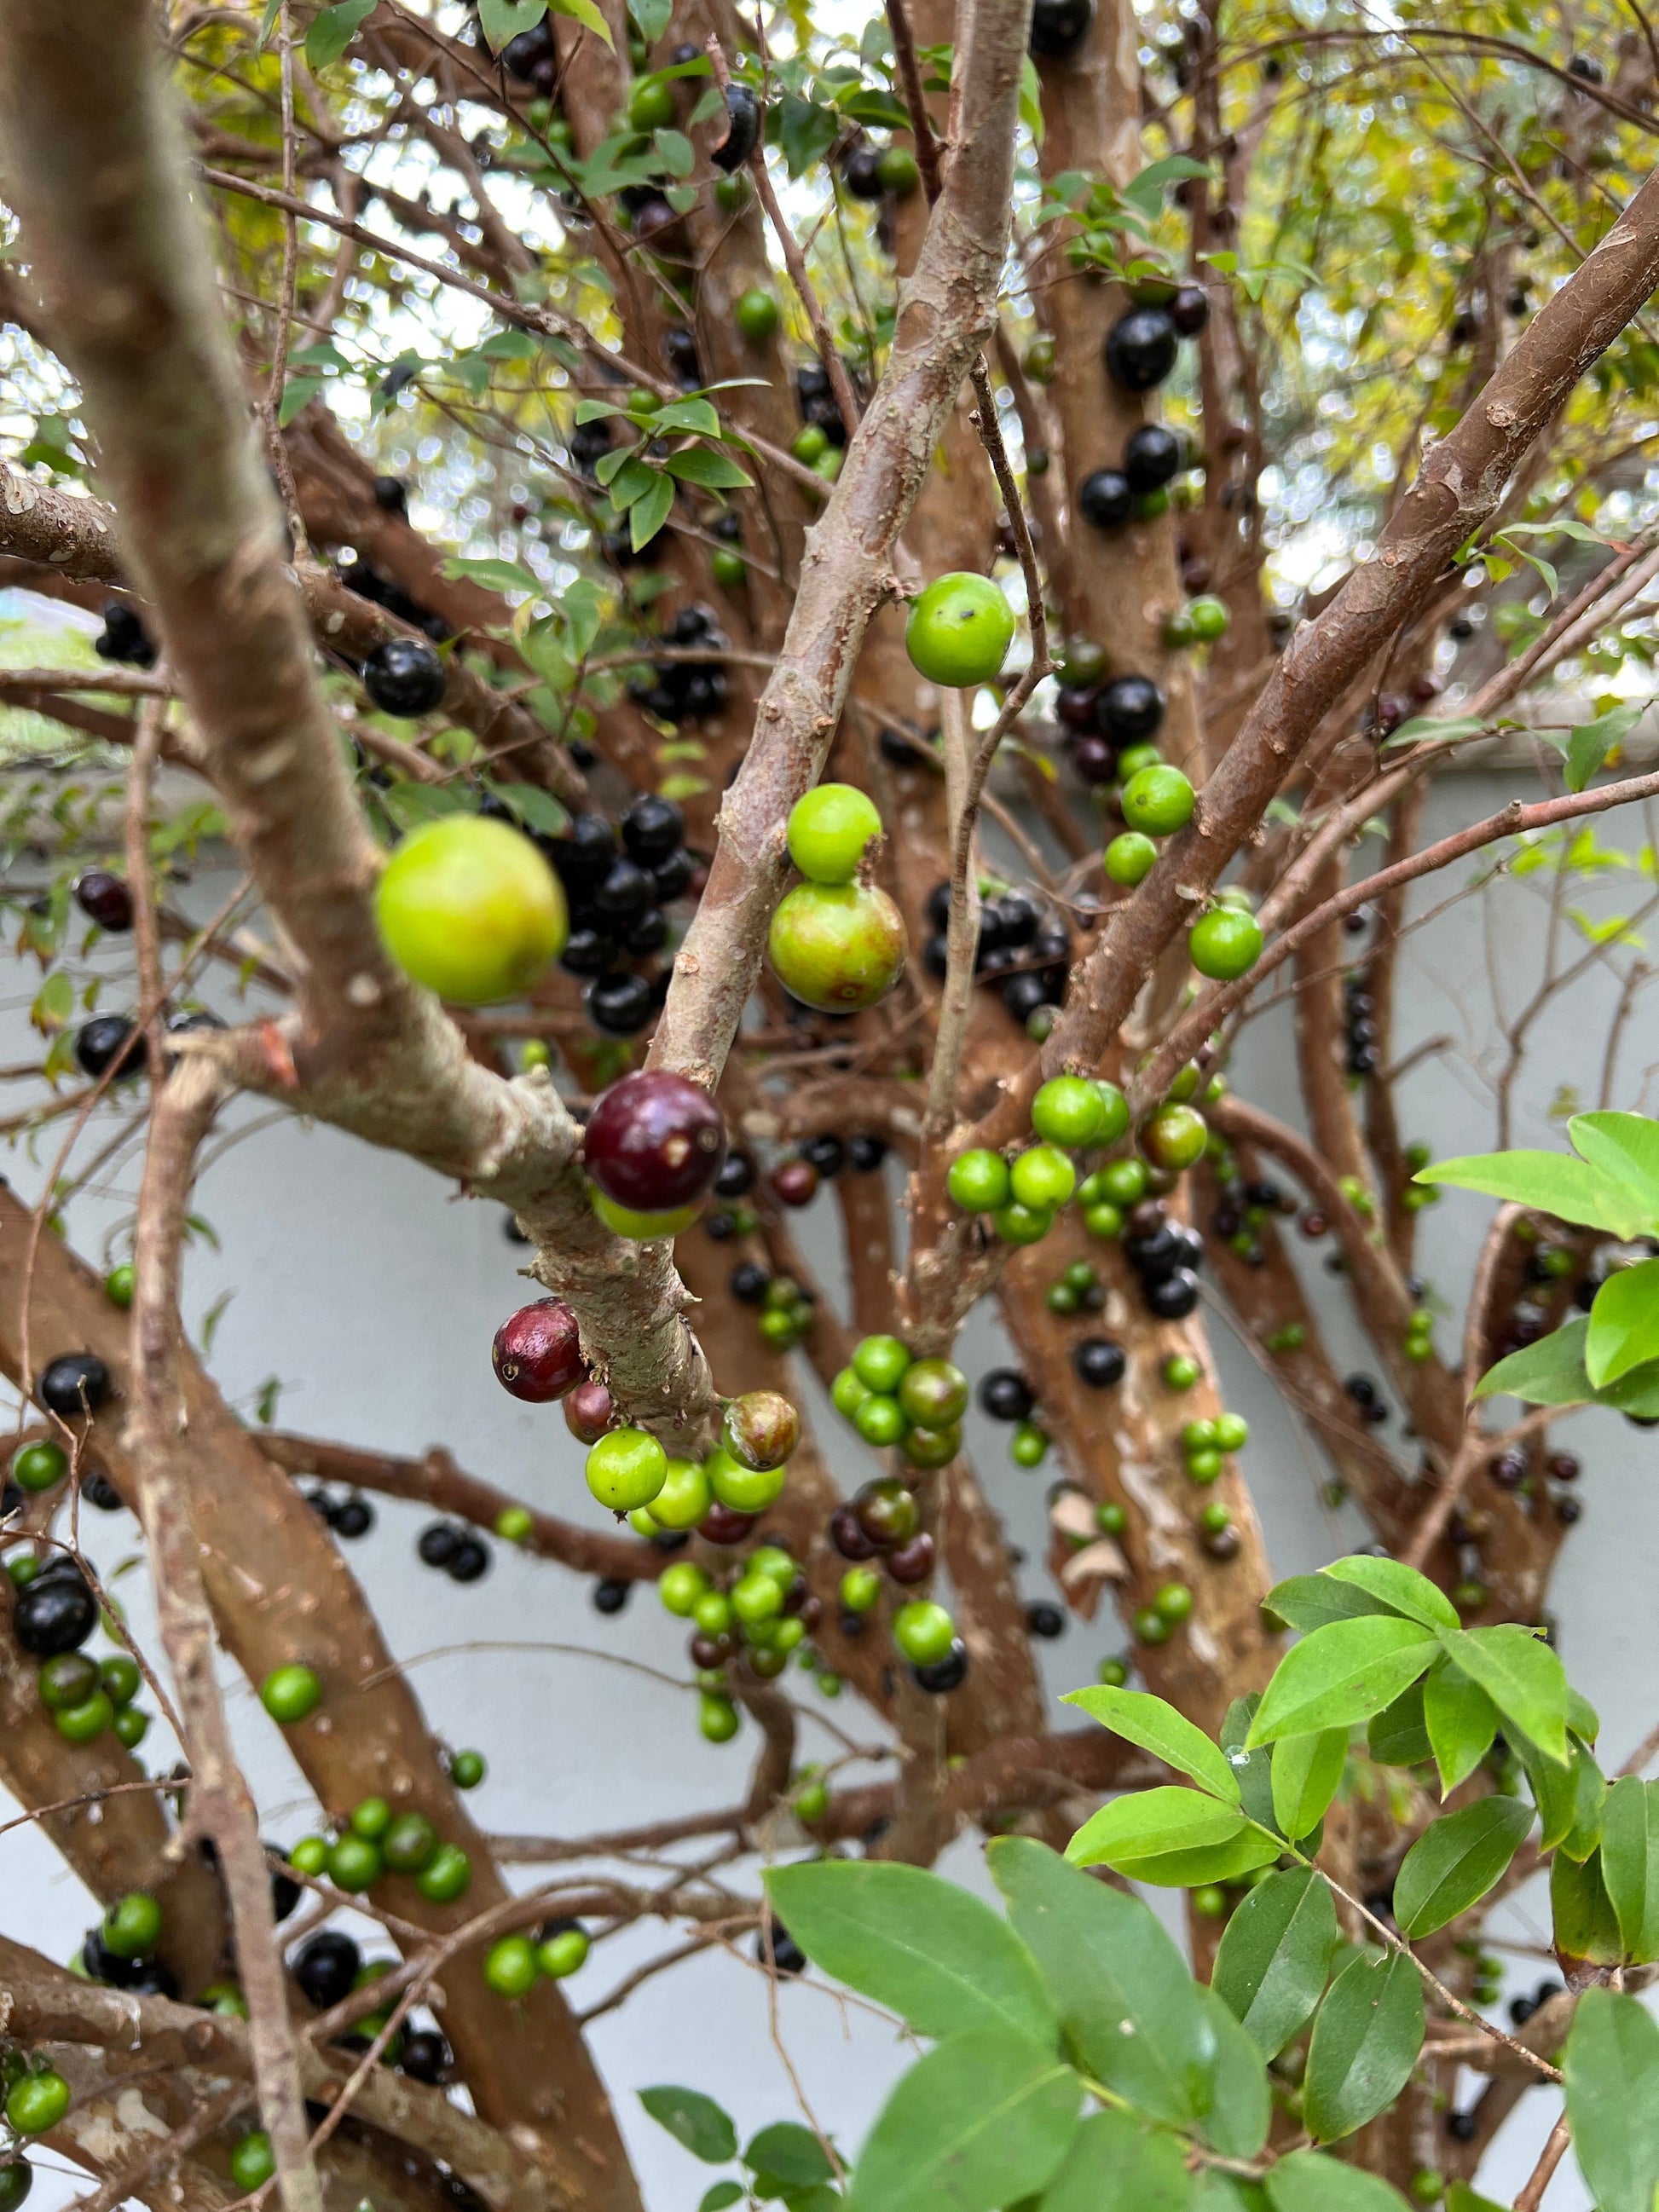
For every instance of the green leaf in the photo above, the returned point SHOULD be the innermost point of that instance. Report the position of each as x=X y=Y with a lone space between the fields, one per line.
x=714 y=472
x=298 y=392
x=1430 y=729
x=1630 y=1865
x=1306 y=1772
x=1142 y=1719
x=1116 y=2166
x=719 y=2194
x=1625 y=1146
x=1586 y=1926
x=1553 y=1182
x=695 y=2120
x=1591 y=742
x=1341 y=1674
x=585 y=13
x=1363 y=2046
x=1624 y=1323
x=1522 y=1677
x=983 y=2120
x=806 y=131
x=1238 y=2121
x=790 y=2153
x=495 y=575
x=333 y=30
x=536 y=809
x=1400 y=1588
x=1305 y=1603
x=696 y=415
x=1455 y=1861
x=1275 y=1957
x=1460 y=2197
x=652 y=17
x=504 y=19
x=1548 y=1373
x=1461 y=1721
x=1307 y=2181
x=1129 y=2006
x=915 y=1942
x=647 y=514
x=1611 y=2067
x=1170 y=1837
x=1398 y=1736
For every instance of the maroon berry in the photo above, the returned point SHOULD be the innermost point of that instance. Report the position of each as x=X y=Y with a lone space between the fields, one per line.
x=1314 y=1222
x=654 y=1142
x=721 y=1524
x=104 y=899
x=1509 y=1470
x=794 y=1182
x=1074 y=706
x=762 y=1429
x=1563 y=1466
x=587 y=1411
x=711 y=1650
x=847 y=1537
x=912 y=1562
x=1221 y=1544
x=886 y=1512
x=1094 y=760
x=537 y=1352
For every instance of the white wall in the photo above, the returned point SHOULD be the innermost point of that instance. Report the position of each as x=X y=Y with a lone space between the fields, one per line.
x=372 y=1293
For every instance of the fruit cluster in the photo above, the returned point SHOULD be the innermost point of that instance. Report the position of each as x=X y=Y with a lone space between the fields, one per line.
x=1359 y=1029
x=374 y=1841
x=124 y=638
x=786 y=1309
x=53 y=1614
x=616 y=899
x=892 y=1399
x=1138 y=488
x=454 y=1550
x=1021 y=951
x=836 y=941
x=328 y=1967
x=514 y=1964
x=685 y=690
x=1005 y=1395
x=763 y=1612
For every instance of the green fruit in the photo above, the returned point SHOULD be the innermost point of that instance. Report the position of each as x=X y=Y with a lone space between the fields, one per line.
x=812 y=1802
x=1209 y=619
x=932 y=1448
x=880 y=1362
x=713 y=1613
x=1081 y=1275
x=81 y=1723
x=1197 y=1435
x=745 y=1489
x=131 y=1726
x=978 y=1180
x=1180 y=1370
x=39 y=1466
x=829 y=463
x=1113 y=1673
x=756 y=1598
x=514 y=1523
x=132 y=1926
x=626 y=1468
x=1214 y=1518
x=371 y=1818
x=959 y=631
x=1150 y=1627
x=409 y=1843
x=1174 y=1137
x=1039 y=361
x=642 y=1228
x=848 y=1393
x=1232 y=1432
x=837 y=946
x=354 y=1863
x=469 y=907
x=729 y=569
x=1204 y=1466
x=119 y=1285
x=67 y=1679
x=1111 y=1518
x=37 y=2102
x=16 y=2179
x=684 y=1498
x=651 y=106
x=860 y=1589
x=1133 y=758
x=1178 y=630
x=1209 y=1902
x=731 y=193
x=22 y=1567
x=562 y=1954
x=1129 y=858
x=310 y=1855
x=1029 y=1445
x=934 y=1393
x=1224 y=943
x=923 y=1632
x=447 y=1875
x=1157 y=800
x=880 y=1420
x=1069 y=1111
x=717 y=1717
x=829 y=830
x=509 y=1966
x=1083 y=661
x=898 y=172
x=1173 y=1602
x=829 y=1685
x=810 y=445
x=1103 y=1219
x=1022 y=1225
x=757 y=315
x=225 y=1999
x=679 y=1586
x=1042 y=1178
x=253 y=2162
x=1124 y=1181
x=771 y=1559
x=467 y=1769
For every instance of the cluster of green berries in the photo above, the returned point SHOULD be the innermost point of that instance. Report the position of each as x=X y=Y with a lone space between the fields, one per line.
x=628 y=1470
x=1079 y=1289
x=376 y=1841
x=1022 y=1196
x=836 y=942
x=892 y=1399
x=86 y=1696
x=1157 y=1622
x=1419 y=1334
x=1416 y=1196
x=786 y=1313
x=759 y=1609
x=1201 y=622
x=1157 y=800
x=514 y=1964
x=1205 y=1444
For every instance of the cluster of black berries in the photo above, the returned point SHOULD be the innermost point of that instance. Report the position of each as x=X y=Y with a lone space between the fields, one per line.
x=616 y=899
x=455 y=1550
x=1359 y=1030
x=587 y=444
x=328 y=1966
x=1165 y=1255
x=1368 y=1399
x=1243 y=1207
x=360 y=576
x=817 y=402
x=123 y=637
x=531 y=58
x=109 y=1043
x=349 y=1516
x=1152 y=458
x=685 y=690
x=1023 y=952
x=1103 y=720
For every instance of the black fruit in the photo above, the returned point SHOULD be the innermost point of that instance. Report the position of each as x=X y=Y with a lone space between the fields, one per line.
x=584 y=852
x=109 y=1043
x=621 y=1005
x=866 y=1153
x=404 y=677
x=435 y=1547
x=391 y=493
x=737 y=1177
x=827 y=1154
x=75 y=1383
x=1130 y=710
x=1044 y=1619
x=652 y=829
x=743 y=128
x=748 y=1281
x=1099 y=1362
x=470 y=1560
x=1172 y=1298
x=53 y=1614
x=1059 y=26
x=326 y=1966
x=786 y=1954
x=1106 y=498
x=1141 y=348
x=1189 y=310
x=860 y=172
x=353 y=1517
x=679 y=351
x=945 y=1674
x=1152 y=457
x=587 y=953
x=98 y=1490
x=285 y=1894
x=124 y=638
x=425 y=2056
x=847 y=1534
x=1005 y=1395
x=103 y=898
x=672 y=876
x=611 y=1597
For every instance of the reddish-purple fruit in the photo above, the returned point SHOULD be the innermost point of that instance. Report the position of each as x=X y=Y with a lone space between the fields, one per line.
x=722 y=1524
x=537 y=1352
x=912 y=1562
x=794 y=1182
x=762 y=1429
x=587 y=1411
x=104 y=899
x=654 y=1142
x=886 y=1511
x=848 y=1537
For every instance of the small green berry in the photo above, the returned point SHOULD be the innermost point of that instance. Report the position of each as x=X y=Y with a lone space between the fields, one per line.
x=447 y=1875
x=467 y=1769
x=509 y=1966
x=253 y=2162
x=289 y=1693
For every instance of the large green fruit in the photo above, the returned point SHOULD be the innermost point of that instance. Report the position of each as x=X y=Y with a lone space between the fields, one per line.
x=469 y=907
x=959 y=630
x=837 y=946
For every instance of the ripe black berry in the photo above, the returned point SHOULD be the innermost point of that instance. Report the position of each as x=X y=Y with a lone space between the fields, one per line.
x=1140 y=349
x=1130 y=709
x=1005 y=1395
x=736 y=1176
x=912 y=1562
x=123 y=637
x=1099 y=1362
x=103 y=898
x=404 y=677
x=586 y=952
x=435 y=1547
x=786 y=1954
x=54 y=1613
x=391 y=493
x=109 y=1041
x=285 y=1894
x=623 y=893
x=861 y=173
x=1045 y=1619
x=75 y=1383
x=1105 y=498
x=470 y=1560
x=1059 y=26
x=610 y=1596
x=848 y=1535
x=619 y=1004
x=1152 y=457
x=1173 y=1297
x=827 y=1154
x=584 y=852
x=424 y=2057
x=747 y=1283
x=672 y=876
x=1189 y=310
x=743 y=126
x=98 y=1490
x=326 y=1966
x=944 y=1674
x=652 y=829
x=866 y=1153
x=353 y=1517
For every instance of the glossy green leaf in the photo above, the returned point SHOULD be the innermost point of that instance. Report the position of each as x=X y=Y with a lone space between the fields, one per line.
x=1548 y=1373
x=1461 y=1721
x=1305 y=1603
x=1306 y=1772
x=1242 y=2109
x=1365 y=2043
x=1275 y=1957
x=1398 y=1736
x=983 y=2120
x=1455 y=1861
x=1171 y=1837
x=702 y=465
x=1341 y=1674
x=790 y=2153
x=1308 y=2181
x=1624 y=1323
x=1630 y=1865
x=1522 y=1677
x=1116 y=2165
x=1623 y=1146
x=1128 y=2005
x=1553 y=1182
x=1157 y=1728
x=504 y=19
x=1612 y=2067
x=704 y=2127
x=1399 y=1586
x=937 y=1956
x=1460 y=2197
x=648 y=514
x=1585 y=1925
x=1590 y=743
x=333 y=30
x=719 y=2194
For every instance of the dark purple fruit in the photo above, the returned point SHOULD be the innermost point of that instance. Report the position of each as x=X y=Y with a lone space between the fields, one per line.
x=54 y=1613
x=743 y=129
x=621 y=1005
x=736 y=1176
x=1099 y=1362
x=75 y=1383
x=353 y=1518
x=945 y=1674
x=404 y=677
x=103 y=898
x=912 y=1562
x=860 y=172
x=654 y=1142
x=536 y=1354
x=827 y=1154
x=425 y=2056
x=470 y=1560
x=1106 y=498
x=622 y=893
x=673 y=875
x=326 y=1968
x=610 y=1596
x=392 y=494
x=1045 y=1619
x=109 y=1043
x=652 y=829
x=865 y=1154
x=587 y=953
x=435 y=1547
x=1173 y=1296
x=98 y=1490
x=123 y=637
x=847 y=1536
x=1141 y=348
x=584 y=852
x=1152 y=457
x=794 y=1182
x=748 y=1280
x=587 y=1411
x=886 y=1511
x=1059 y=26
x=1189 y=310
x=1130 y=709
x=1094 y=757
x=724 y=1524
x=1005 y=1395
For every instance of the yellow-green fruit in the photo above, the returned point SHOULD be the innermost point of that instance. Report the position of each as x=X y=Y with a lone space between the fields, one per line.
x=837 y=946
x=468 y=907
